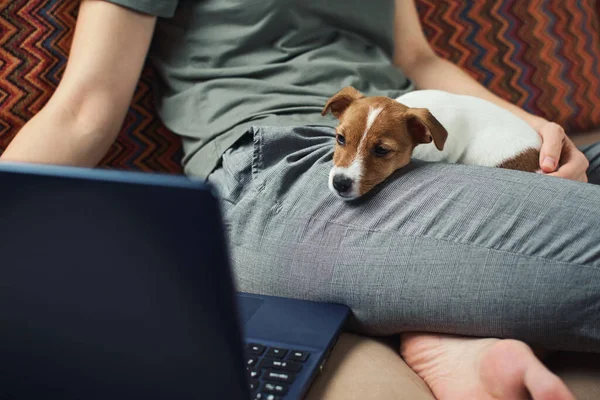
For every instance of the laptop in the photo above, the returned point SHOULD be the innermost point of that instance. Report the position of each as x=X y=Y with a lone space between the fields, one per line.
x=117 y=285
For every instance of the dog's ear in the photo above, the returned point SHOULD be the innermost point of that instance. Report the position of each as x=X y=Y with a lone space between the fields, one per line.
x=340 y=101
x=423 y=127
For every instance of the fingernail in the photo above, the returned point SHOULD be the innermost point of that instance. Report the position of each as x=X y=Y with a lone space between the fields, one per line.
x=549 y=162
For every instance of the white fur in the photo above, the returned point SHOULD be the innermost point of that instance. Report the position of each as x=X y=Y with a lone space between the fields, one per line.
x=373 y=114
x=354 y=172
x=479 y=132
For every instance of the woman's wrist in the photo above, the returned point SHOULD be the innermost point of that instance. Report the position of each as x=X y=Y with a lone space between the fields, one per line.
x=536 y=122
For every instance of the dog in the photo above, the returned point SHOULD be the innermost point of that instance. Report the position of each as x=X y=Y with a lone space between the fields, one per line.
x=379 y=135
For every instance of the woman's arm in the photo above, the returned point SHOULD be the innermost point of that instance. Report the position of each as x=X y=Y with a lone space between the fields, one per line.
x=82 y=119
x=418 y=61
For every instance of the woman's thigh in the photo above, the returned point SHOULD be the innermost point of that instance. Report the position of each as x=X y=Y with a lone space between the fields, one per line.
x=361 y=367
x=438 y=247
x=365 y=368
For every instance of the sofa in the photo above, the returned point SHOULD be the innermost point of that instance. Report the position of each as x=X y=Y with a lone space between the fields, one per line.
x=542 y=55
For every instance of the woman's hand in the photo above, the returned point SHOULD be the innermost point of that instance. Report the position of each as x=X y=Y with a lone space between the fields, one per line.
x=559 y=156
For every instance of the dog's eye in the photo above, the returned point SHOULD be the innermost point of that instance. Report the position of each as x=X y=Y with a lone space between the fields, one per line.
x=380 y=151
x=340 y=139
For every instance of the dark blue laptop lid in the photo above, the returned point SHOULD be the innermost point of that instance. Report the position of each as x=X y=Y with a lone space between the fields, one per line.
x=113 y=285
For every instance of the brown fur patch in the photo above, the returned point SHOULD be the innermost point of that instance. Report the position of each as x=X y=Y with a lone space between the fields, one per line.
x=397 y=129
x=528 y=161
x=388 y=130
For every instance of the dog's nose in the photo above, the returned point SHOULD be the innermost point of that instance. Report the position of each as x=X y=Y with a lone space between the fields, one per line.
x=342 y=183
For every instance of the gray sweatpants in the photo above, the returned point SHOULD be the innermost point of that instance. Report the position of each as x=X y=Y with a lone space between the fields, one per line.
x=436 y=248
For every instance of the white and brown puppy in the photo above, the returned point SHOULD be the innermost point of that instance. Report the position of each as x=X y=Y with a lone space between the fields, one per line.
x=378 y=135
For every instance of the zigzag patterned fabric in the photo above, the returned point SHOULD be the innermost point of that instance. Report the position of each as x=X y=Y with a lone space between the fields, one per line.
x=543 y=55
x=35 y=39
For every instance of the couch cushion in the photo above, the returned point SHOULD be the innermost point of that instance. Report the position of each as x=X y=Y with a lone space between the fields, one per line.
x=35 y=38
x=542 y=54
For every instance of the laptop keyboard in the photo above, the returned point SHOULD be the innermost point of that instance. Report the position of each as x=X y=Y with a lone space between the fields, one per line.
x=271 y=370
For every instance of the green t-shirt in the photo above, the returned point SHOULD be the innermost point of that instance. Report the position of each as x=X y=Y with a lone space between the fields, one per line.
x=228 y=64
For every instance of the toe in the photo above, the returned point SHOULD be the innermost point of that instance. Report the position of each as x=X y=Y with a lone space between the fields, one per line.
x=510 y=369
x=544 y=385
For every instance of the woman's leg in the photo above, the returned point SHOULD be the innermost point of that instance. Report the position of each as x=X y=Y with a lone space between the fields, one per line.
x=367 y=368
x=438 y=248
x=429 y=354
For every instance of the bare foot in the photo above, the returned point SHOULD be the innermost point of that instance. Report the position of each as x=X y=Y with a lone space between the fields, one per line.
x=463 y=368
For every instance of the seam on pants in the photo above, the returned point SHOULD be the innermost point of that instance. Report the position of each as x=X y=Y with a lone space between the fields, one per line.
x=257 y=160
x=457 y=242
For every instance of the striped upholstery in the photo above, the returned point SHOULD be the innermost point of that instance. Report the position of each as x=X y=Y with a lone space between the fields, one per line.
x=543 y=55
x=35 y=37
x=540 y=54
